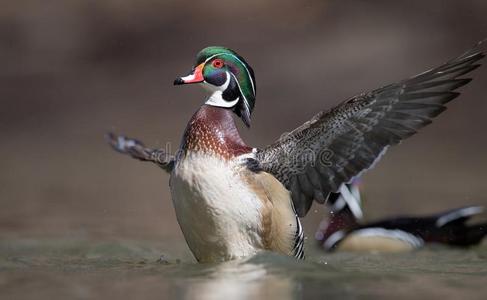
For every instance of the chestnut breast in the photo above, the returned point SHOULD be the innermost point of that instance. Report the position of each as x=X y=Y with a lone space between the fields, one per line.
x=212 y=130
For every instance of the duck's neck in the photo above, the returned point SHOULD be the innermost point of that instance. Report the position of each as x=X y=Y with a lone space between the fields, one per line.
x=212 y=130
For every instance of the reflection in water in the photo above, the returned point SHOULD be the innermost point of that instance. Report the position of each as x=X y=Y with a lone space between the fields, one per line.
x=242 y=280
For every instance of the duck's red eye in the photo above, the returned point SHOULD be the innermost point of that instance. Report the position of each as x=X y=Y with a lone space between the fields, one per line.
x=217 y=63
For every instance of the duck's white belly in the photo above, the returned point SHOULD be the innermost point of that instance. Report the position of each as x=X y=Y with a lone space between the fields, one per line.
x=219 y=215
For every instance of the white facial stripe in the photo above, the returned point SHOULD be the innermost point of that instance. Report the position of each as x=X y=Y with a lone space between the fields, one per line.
x=248 y=72
x=213 y=56
x=246 y=103
x=218 y=101
x=216 y=98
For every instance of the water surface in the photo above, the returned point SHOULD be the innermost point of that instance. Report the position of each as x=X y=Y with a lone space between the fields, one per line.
x=80 y=269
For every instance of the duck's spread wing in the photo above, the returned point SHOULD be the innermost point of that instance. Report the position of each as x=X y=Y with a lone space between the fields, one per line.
x=335 y=146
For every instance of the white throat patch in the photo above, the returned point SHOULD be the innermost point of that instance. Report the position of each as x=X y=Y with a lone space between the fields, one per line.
x=216 y=97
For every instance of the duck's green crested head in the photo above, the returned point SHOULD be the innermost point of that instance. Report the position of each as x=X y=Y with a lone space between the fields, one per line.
x=228 y=76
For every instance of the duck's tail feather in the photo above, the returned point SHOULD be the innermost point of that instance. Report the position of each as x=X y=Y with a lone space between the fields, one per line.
x=459 y=215
x=453 y=230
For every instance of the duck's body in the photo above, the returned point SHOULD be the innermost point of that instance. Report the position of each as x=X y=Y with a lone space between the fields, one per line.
x=225 y=210
x=344 y=230
x=232 y=200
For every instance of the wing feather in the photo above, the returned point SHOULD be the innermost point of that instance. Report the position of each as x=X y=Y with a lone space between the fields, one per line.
x=335 y=146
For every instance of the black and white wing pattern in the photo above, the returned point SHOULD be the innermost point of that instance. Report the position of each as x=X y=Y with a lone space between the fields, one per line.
x=338 y=145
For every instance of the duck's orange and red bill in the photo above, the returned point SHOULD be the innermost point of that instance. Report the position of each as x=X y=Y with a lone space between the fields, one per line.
x=195 y=77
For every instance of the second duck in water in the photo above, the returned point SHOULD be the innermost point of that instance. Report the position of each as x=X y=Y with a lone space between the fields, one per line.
x=344 y=229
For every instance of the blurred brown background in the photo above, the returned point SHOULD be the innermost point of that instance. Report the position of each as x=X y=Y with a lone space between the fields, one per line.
x=72 y=70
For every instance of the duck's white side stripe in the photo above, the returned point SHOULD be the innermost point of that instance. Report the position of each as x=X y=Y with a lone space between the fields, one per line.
x=459 y=213
x=338 y=205
x=352 y=202
x=333 y=239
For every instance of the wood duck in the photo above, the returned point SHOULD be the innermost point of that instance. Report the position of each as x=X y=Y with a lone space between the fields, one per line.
x=233 y=200
x=344 y=229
